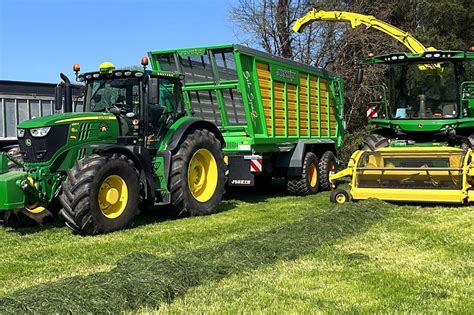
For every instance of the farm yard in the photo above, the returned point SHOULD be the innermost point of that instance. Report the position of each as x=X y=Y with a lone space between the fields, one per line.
x=259 y=253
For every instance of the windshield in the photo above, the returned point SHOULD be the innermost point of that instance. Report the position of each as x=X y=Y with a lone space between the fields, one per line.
x=121 y=93
x=420 y=92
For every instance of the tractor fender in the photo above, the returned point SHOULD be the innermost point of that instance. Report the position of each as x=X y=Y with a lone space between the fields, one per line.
x=139 y=155
x=188 y=126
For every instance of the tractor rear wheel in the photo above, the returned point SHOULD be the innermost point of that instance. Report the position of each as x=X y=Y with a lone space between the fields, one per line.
x=327 y=165
x=375 y=141
x=308 y=183
x=198 y=178
x=100 y=195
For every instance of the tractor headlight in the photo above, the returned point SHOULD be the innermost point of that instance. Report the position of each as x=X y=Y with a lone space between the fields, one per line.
x=40 y=132
x=20 y=133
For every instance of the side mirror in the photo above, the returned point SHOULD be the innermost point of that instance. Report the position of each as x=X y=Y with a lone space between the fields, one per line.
x=359 y=75
x=153 y=91
x=58 y=97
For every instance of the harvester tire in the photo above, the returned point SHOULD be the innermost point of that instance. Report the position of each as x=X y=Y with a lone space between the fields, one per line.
x=197 y=180
x=374 y=141
x=100 y=195
x=327 y=164
x=339 y=196
x=308 y=183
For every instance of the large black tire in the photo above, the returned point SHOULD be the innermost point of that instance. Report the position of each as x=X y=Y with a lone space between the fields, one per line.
x=375 y=141
x=183 y=201
x=82 y=211
x=327 y=164
x=305 y=184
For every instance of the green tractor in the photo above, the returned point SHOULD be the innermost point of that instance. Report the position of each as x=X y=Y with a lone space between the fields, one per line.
x=134 y=147
x=426 y=99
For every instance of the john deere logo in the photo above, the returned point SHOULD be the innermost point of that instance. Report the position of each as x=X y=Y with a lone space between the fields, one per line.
x=28 y=142
x=420 y=125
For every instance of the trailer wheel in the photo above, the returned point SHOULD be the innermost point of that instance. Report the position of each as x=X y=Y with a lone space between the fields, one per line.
x=308 y=183
x=198 y=178
x=100 y=195
x=339 y=196
x=375 y=141
x=327 y=165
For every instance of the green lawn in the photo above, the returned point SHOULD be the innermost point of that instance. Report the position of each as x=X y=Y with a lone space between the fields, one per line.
x=260 y=253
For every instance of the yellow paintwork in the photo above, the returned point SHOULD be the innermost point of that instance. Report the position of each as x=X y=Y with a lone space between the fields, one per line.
x=357 y=19
x=341 y=198
x=442 y=184
x=113 y=196
x=106 y=66
x=202 y=175
x=35 y=208
x=86 y=118
x=312 y=175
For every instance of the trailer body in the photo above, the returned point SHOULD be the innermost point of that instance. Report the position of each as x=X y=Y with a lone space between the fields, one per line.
x=270 y=110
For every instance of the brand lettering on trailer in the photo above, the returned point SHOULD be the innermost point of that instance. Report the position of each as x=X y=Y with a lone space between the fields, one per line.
x=241 y=182
x=250 y=95
x=288 y=74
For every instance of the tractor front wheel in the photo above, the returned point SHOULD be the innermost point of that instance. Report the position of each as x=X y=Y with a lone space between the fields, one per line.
x=100 y=195
x=197 y=175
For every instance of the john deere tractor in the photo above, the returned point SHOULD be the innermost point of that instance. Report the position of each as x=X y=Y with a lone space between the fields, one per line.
x=427 y=99
x=133 y=147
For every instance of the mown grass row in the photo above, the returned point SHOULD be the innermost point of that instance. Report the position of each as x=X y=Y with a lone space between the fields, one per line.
x=263 y=254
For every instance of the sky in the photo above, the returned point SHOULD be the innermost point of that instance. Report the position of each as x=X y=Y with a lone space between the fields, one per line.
x=41 y=38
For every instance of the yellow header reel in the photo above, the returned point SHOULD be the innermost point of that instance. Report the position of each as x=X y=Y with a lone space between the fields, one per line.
x=419 y=174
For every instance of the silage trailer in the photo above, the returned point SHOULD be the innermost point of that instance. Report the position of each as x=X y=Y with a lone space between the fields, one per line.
x=279 y=118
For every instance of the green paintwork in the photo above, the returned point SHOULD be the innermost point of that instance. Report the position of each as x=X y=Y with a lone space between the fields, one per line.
x=12 y=197
x=463 y=124
x=3 y=163
x=252 y=134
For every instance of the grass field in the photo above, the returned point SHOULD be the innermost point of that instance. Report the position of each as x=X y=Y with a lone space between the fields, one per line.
x=260 y=253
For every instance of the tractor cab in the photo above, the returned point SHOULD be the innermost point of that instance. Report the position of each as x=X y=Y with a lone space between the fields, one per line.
x=143 y=101
x=423 y=94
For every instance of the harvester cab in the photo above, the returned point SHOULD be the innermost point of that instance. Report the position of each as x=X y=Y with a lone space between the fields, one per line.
x=426 y=99
x=134 y=146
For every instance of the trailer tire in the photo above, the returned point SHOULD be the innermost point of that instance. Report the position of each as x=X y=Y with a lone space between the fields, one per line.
x=375 y=141
x=197 y=181
x=308 y=183
x=327 y=165
x=100 y=195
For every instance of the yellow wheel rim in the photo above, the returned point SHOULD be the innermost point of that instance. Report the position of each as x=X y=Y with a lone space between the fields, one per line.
x=202 y=175
x=34 y=208
x=340 y=198
x=113 y=196
x=312 y=175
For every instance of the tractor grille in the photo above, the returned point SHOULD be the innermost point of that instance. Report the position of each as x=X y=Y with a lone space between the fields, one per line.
x=37 y=150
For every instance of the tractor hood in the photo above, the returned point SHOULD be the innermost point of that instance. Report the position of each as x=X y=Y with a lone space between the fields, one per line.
x=66 y=118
